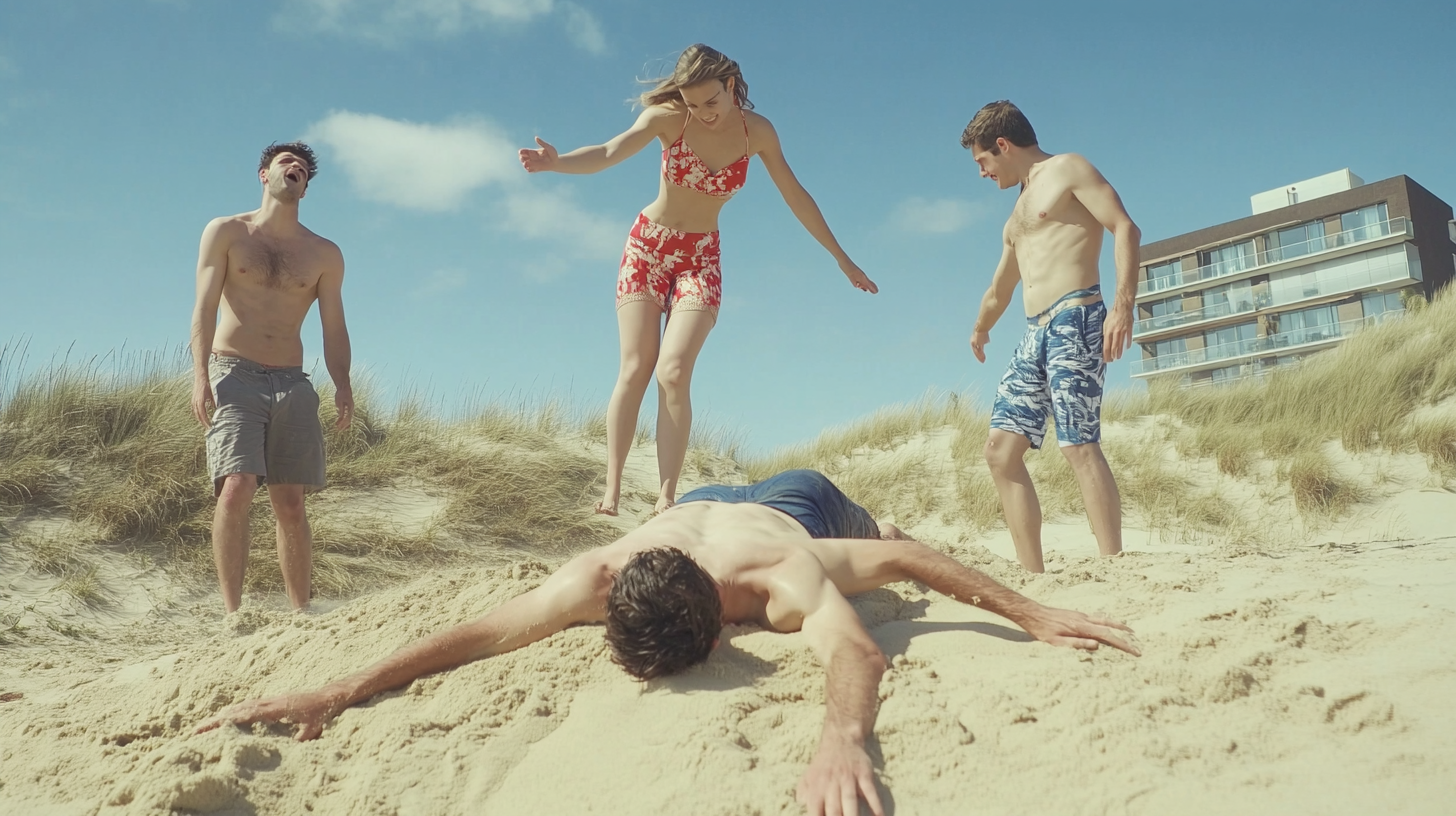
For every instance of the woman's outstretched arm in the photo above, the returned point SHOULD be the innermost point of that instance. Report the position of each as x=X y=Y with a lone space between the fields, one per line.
x=595 y=158
x=799 y=200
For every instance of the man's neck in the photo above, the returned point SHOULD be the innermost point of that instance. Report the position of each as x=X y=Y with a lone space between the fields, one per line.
x=278 y=215
x=1026 y=159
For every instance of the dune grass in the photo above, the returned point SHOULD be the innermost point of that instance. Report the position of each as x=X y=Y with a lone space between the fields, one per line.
x=111 y=444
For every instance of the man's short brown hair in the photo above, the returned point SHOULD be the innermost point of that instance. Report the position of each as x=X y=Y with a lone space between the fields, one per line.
x=298 y=149
x=998 y=120
x=663 y=614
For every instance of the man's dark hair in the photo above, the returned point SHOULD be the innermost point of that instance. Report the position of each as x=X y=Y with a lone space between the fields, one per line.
x=298 y=149
x=663 y=614
x=995 y=121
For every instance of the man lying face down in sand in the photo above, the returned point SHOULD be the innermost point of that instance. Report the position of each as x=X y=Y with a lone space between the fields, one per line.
x=782 y=554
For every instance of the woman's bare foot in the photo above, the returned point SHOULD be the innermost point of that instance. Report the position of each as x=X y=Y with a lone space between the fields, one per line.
x=601 y=508
x=663 y=504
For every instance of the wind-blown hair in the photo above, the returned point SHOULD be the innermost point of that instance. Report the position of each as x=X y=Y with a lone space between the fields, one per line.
x=698 y=63
x=998 y=120
x=663 y=614
x=298 y=149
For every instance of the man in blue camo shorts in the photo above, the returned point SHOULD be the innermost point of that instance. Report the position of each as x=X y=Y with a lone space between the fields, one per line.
x=1051 y=243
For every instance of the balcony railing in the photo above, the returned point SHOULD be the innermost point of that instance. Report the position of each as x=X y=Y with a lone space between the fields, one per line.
x=1249 y=301
x=1280 y=343
x=1314 y=246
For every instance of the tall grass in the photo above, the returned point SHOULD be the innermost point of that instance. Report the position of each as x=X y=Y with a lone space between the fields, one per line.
x=111 y=443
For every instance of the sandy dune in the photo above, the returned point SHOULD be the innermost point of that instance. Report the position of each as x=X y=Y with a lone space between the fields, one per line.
x=1314 y=677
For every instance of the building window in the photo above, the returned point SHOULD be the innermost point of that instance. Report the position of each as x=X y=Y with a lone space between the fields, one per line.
x=1296 y=241
x=1226 y=374
x=1226 y=260
x=1364 y=223
x=1308 y=326
x=1165 y=276
x=1231 y=298
x=1378 y=303
x=1167 y=348
x=1227 y=336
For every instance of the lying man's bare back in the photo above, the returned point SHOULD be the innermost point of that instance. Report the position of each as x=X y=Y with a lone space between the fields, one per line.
x=754 y=554
x=258 y=273
x=1051 y=246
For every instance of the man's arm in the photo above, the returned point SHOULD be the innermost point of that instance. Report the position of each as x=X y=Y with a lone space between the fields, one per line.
x=996 y=299
x=840 y=773
x=1105 y=205
x=211 y=271
x=574 y=594
x=908 y=560
x=337 y=354
x=771 y=153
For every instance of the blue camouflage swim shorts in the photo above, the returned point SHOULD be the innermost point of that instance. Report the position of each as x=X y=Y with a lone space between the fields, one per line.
x=1058 y=370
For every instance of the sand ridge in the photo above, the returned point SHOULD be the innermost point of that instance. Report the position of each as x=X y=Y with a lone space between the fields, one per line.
x=1303 y=678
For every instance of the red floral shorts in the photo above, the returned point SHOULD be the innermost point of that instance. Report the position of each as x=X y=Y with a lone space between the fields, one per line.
x=674 y=269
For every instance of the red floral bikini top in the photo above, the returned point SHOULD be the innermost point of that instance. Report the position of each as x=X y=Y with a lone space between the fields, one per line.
x=682 y=167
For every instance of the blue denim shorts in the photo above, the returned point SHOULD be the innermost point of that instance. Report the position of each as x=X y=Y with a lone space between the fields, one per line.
x=805 y=495
x=1057 y=371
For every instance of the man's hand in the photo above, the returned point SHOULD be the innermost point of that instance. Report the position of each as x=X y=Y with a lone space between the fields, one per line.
x=1116 y=333
x=1063 y=627
x=310 y=711
x=979 y=339
x=836 y=780
x=858 y=277
x=540 y=160
x=202 y=402
x=344 y=401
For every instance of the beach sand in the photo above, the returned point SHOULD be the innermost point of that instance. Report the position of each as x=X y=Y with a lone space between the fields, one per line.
x=1311 y=675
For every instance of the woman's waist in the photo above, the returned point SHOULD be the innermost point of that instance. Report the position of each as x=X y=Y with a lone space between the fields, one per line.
x=685 y=211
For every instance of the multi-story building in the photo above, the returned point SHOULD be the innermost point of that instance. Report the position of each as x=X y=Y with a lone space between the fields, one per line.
x=1316 y=261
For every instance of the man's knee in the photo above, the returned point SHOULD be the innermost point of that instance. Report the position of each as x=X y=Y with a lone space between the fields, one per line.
x=237 y=490
x=1087 y=455
x=288 y=503
x=1003 y=453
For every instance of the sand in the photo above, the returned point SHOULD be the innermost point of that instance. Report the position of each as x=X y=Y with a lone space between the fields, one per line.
x=1316 y=676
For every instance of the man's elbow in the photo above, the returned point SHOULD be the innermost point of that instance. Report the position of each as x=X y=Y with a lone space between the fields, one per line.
x=1129 y=231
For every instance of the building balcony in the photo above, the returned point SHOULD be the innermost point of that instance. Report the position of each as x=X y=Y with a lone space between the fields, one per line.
x=1380 y=272
x=1338 y=243
x=1281 y=344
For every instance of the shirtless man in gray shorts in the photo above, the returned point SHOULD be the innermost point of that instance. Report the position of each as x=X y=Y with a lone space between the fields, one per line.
x=1051 y=244
x=248 y=388
x=781 y=554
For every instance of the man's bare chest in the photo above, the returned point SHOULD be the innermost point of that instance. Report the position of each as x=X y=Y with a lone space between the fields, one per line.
x=279 y=265
x=1038 y=208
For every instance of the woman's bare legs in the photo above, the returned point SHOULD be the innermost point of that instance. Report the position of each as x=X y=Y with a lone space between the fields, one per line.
x=639 y=326
x=681 y=341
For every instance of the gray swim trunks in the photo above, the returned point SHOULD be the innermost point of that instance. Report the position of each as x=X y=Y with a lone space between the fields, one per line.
x=266 y=424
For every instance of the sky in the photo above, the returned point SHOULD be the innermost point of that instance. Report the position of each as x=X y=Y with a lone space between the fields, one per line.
x=126 y=125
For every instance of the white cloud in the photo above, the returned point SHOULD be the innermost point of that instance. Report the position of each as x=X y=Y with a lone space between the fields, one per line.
x=390 y=22
x=574 y=234
x=937 y=216
x=416 y=166
x=583 y=29
x=439 y=282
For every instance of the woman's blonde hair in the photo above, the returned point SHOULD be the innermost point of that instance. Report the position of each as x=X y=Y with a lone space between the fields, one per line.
x=698 y=63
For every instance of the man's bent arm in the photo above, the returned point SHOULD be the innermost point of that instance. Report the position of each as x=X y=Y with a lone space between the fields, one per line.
x=337 y=354
x=1002 y=289
x=841 y=771
x=211 y=271
x=1105 y=205
x=1059 y=627
x=574 y=594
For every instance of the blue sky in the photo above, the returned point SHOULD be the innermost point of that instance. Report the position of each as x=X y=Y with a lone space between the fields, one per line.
x=126 y=125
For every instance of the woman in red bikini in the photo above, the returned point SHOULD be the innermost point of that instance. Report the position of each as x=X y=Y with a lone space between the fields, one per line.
x=702 y=117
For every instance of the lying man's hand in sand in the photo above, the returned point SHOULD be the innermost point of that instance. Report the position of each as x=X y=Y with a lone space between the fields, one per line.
x=1064 y=627
x=309 y=710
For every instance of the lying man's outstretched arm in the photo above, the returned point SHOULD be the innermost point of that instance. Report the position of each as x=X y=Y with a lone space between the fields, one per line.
x=574 y=594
